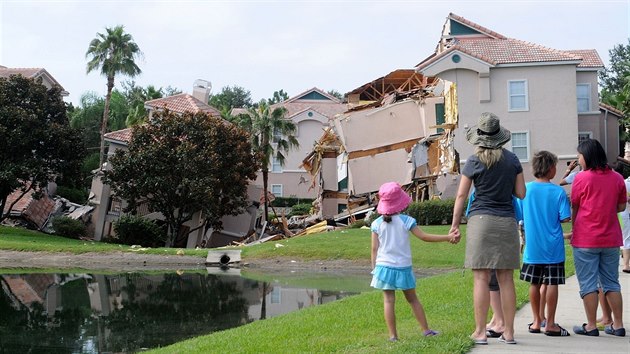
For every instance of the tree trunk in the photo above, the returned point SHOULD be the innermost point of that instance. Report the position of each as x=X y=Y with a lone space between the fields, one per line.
x=110 y=87
x=265 y=174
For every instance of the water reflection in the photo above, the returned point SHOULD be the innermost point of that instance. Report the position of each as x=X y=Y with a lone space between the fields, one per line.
x=95 y=313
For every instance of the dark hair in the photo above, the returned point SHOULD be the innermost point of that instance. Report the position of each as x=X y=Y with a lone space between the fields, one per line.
x=593 y=154
x=543 y=162
x=387 y=218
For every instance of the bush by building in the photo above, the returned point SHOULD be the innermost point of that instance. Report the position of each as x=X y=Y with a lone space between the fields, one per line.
x=136 y=230
x=68 y=227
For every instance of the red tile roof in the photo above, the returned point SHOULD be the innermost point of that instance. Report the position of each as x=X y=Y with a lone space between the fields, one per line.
x=590 y=58
x=611 y=109
x=496 y=49
x=33 y=210
x=123 y=135
x=182 y=103
x=31 y=73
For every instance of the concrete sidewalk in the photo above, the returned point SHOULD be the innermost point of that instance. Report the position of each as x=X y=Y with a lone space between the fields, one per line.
x=570 y=313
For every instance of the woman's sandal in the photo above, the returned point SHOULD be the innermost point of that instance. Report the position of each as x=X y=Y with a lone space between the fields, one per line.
x=561 y=333
x=493 y=334
x=507 y=341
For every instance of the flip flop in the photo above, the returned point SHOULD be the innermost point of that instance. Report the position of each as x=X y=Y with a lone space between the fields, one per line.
x=493 y=334
x=479 y=341
x=507 y=341
x=561 y=333
x=532 y=330
x=626 y=270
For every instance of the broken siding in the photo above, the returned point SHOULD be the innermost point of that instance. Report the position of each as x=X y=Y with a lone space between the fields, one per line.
x=368 y=129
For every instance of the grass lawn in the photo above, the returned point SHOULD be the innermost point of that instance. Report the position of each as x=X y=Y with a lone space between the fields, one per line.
x=351 y=325
x=18 y=239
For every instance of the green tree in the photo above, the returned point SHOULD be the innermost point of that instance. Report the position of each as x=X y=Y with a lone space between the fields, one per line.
x=179 y=165
x=37 y=144
x=336 y=94
x=278 y=96
x=231 y=97
x=136 y=96
x=615 y=82
x=272 y=136
x=113 y=53
x=87 y=118
x=615 y=77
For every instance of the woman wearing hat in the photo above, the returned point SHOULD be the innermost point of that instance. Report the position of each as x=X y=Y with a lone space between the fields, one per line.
x=492 y=240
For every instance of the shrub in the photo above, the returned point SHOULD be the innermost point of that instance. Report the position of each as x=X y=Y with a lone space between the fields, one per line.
x=75 y=195
x=68 y=227
x=300 y=209
x=428 y=212
x=290 y=201
x=432 y=212
x=358 y=224
x=136 y=230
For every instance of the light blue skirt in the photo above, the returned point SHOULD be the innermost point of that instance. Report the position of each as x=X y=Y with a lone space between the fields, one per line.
x=390 y=278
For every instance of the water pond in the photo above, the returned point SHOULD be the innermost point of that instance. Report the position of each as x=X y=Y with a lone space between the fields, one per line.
x=131 y=312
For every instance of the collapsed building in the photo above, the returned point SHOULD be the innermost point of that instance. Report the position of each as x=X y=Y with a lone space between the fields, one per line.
x=399 y=128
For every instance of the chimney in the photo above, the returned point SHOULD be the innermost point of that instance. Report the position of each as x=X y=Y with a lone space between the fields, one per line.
x=201 y=90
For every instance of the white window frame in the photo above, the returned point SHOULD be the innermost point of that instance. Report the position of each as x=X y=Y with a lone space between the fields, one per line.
x=511 y=95
x=277 y=136
x=276 y=167
x=587 y=98
x=590 y=135
x=274 y=186
x=527 y=145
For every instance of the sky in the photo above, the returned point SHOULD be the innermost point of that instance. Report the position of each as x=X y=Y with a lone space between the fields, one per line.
x=265 y=46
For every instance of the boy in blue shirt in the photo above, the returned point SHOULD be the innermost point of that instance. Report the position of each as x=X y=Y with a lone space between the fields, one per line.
x=545 y=206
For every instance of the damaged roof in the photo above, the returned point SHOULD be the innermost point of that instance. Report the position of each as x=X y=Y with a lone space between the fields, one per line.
x=397 y=80
x=460 y=34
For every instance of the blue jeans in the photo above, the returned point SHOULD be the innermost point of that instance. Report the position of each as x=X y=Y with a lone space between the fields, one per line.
x=597 y=267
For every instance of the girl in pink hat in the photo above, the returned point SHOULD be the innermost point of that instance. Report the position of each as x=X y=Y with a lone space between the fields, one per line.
x=391 y=255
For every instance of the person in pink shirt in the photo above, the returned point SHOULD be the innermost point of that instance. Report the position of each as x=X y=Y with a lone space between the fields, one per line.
x=597 y=195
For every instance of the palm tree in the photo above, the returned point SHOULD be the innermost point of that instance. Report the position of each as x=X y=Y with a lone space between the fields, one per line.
x=113 y=53
x=272 y=137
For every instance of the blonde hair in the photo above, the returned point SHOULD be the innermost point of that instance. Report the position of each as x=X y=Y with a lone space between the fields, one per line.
x=488 y=156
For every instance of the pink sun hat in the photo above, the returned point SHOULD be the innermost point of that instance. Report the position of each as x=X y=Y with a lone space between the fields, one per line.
x=392 y=199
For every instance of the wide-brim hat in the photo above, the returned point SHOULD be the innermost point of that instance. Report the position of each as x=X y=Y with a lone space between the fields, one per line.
x=392 y=199
x=488 y=132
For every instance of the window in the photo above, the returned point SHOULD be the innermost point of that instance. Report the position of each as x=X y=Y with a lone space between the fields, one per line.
x=276 y=166
x=584 y=136
x=520 y=145
x=276 y=189
x=517 y=95
x=277 y=136
x=276 y=295
x=583 y=97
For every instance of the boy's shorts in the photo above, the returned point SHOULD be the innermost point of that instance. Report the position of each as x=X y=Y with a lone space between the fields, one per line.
x=550 y=274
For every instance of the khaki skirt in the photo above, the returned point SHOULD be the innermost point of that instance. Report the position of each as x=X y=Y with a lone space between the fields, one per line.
x=492 y=243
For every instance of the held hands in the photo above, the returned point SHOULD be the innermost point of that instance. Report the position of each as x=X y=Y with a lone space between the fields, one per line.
x=454 y=235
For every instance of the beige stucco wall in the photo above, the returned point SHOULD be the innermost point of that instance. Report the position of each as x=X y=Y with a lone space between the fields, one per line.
x=551 y=120
x=309 y=130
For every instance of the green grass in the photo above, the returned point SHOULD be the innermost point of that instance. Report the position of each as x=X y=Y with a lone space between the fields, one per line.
x=354 y=244
x=351 y=325
x=18 y=239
